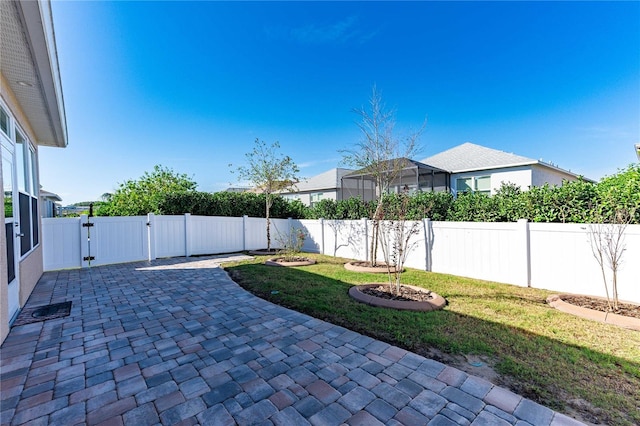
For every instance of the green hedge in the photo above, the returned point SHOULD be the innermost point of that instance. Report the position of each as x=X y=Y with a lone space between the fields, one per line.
x=229 y=204
x=573 y=202
x=577 y=201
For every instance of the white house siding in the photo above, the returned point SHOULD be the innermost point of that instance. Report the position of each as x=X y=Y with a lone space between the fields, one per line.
x=326 y=183
x=541 y=175
x=30 y=265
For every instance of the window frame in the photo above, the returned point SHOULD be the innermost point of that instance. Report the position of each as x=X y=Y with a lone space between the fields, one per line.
x=7 y=118
x=477 y=179
x=471 y=184
x=315 y=198
x=26 y=163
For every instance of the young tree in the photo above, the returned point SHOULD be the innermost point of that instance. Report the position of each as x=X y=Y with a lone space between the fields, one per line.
x=269 y=172
x=606 y=236
x=380 y=153
x=397 y=238
x=139 y=197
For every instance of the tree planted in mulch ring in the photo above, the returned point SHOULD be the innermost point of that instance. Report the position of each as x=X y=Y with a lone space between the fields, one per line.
x=406 y=297
x=290 y=261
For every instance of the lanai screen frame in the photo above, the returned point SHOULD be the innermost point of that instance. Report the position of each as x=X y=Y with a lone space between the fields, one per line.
x=410 y=174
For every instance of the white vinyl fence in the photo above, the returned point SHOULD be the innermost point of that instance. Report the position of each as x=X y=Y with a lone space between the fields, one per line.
x=554 y=256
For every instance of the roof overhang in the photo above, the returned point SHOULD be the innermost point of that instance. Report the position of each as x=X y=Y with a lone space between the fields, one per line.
x=398 y=165
x=29 y=64
x=49 y=195
x=501 y=166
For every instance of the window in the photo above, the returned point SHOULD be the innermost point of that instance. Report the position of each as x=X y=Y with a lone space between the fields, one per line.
x=26 y=166
x=480 y=184
x=4 y=121
x=315 y=198
x=34 y=171
x=483 y=185
x=21 y=164
x=7 y=181
x=464 y=185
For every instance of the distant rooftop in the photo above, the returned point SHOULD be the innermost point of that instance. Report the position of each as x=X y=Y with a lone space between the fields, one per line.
x=469 y=156
x=324 y=181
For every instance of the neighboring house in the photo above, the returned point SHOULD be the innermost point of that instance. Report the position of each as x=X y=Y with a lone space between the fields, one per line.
x=50 y=204
x=477 y=168
x=31 y=115
x=325 y=186
x=466 y=167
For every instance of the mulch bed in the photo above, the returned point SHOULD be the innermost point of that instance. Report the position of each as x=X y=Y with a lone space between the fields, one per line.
x=406 y=293
x=290 y=259
x=365 y=264
x=625 y=309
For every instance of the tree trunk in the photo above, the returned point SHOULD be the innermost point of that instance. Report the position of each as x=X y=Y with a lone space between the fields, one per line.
x=268 y=224
x=614 y=288
x=375 y=234
x=374 y=243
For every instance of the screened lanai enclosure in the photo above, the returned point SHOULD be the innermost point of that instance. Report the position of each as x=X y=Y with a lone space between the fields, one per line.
x=407 y=175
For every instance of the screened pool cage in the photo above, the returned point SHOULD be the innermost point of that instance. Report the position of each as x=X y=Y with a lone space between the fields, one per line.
x=410 y=175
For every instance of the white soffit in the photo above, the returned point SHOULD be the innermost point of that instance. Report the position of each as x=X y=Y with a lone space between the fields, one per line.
x=29 y=64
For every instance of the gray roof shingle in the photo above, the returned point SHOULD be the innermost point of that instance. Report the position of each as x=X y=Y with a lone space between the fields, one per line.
x=324 y=181
x=469 y=156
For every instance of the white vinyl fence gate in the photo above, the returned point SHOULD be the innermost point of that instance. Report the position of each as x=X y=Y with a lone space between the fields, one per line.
x=552 y=256
x=92 y=241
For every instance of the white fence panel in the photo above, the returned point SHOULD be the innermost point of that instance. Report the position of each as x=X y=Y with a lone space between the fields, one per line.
x=170 y=236
x=212 y=234
x=557 y=257
x=417 y=257
x=313 y=242
x=61 y=243
x=488 y=251
x=629 y=273
x=118 y=239
x=562 y=260
x=280 y=229
x=256 y=233
x=345 y=238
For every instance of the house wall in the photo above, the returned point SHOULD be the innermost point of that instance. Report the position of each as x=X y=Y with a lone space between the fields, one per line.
x=520 y=176
x=541 y=175
x=30 y=267
x=305 y=197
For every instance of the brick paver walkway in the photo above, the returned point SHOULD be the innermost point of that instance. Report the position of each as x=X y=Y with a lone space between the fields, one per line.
x=175 y=341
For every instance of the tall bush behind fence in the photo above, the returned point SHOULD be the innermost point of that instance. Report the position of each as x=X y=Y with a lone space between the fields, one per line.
x=233 y=204
x=578 y=201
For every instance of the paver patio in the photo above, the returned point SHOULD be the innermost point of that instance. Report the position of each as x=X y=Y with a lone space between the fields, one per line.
x=175 y=341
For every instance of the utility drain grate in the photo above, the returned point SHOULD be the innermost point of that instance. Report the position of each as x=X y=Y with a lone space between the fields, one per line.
x=43 y=313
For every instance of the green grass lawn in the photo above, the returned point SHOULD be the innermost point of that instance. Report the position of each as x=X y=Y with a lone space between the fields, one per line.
x=553 y=358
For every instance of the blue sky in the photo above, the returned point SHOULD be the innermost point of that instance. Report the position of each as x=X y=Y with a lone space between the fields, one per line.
x=191 y=85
